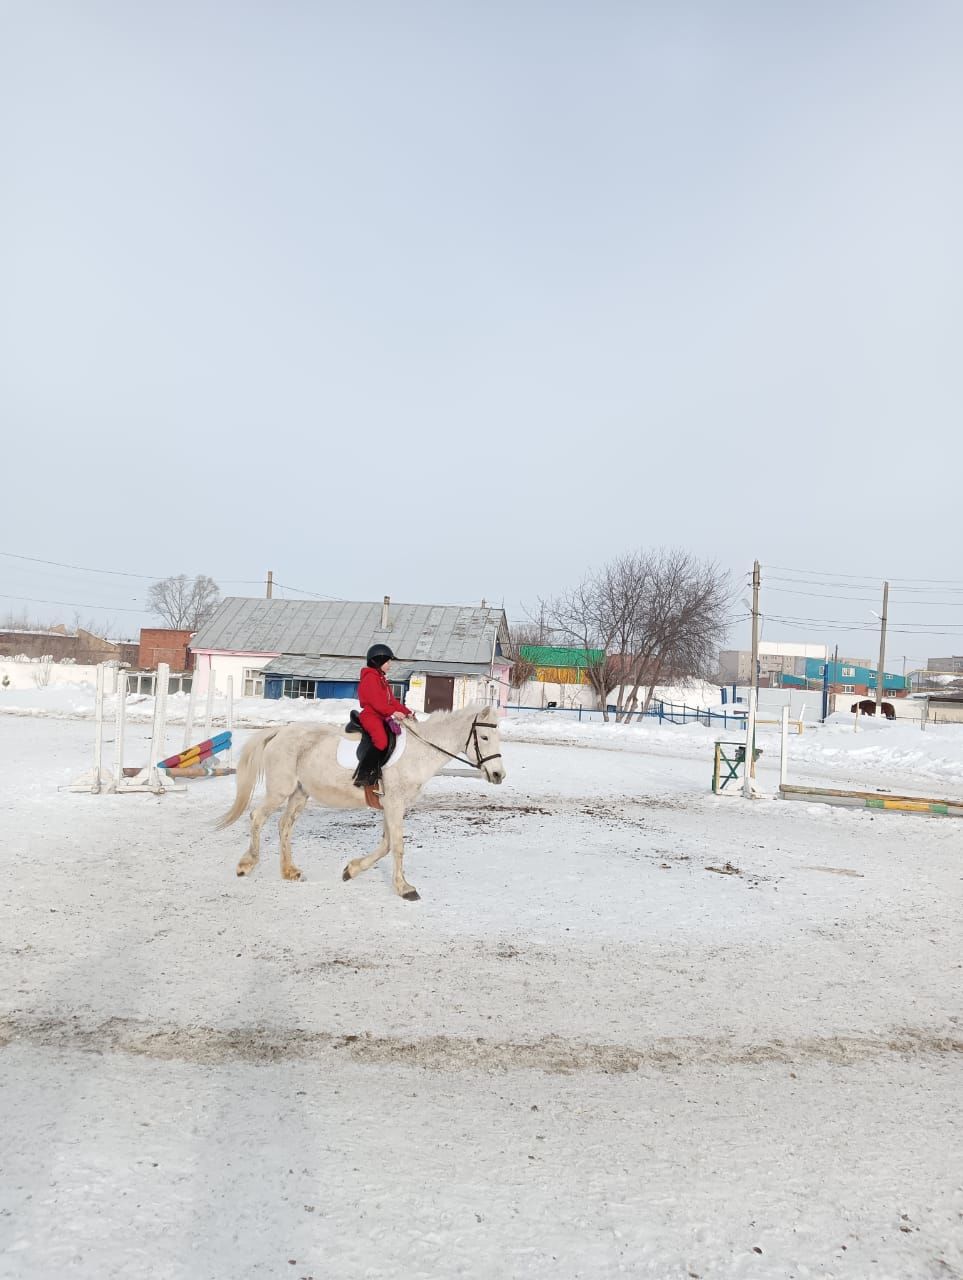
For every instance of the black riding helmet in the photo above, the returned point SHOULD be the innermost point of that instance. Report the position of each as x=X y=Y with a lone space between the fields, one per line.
x=378 y=655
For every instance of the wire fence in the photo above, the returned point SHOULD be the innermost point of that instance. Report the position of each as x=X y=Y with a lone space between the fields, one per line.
x=663 y=712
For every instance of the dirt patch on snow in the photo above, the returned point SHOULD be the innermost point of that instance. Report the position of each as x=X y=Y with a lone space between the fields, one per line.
x=552 y=1054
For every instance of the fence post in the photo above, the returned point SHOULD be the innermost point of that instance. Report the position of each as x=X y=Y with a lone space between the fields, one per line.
x=230 y=720
x=191 y=705
x=784 y=748
x=750 y=745
x=120 y=720
x=158 y=726
x=209 y=709
x=98 y=729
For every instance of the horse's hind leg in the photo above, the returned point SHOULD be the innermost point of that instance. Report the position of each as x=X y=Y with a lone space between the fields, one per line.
x=289 y=817
x=270 y=804
x=357 y=865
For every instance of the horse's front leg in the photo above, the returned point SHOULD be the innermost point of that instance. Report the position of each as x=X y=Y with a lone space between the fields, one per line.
x=394 y=823
x=357 y=865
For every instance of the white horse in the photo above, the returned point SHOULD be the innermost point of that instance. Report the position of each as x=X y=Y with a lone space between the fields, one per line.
x=301 y=762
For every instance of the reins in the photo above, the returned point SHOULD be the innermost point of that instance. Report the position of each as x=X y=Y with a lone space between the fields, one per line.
x=476 y=724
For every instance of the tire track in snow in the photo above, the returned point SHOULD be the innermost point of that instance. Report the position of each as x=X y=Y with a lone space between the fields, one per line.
x=551 y=1054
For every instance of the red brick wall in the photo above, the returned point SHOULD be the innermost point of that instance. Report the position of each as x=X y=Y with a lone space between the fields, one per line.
x=159 y=644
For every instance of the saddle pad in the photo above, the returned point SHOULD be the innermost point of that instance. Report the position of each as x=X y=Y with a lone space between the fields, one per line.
x=348 y=750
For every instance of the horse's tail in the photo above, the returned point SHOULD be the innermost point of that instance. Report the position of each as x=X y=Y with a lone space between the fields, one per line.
x=250 y=767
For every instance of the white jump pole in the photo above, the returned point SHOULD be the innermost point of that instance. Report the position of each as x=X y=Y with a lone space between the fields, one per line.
x=98 y=730
x=191 y=707
x=230 y=720
x=784 y=747
x=120 y=722
x=158 y=727
x=209 y=709
x=750 y=742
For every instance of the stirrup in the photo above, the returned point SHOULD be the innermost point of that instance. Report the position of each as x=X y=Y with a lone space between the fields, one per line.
x=372 y=797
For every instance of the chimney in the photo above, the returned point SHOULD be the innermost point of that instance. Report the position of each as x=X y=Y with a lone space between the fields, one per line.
x=384 y=613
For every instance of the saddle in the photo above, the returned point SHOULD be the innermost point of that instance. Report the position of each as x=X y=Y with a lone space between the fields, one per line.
x=366 y=746
x=370 y=760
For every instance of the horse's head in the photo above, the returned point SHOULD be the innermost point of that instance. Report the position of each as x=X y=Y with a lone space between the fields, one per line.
x=484 y=745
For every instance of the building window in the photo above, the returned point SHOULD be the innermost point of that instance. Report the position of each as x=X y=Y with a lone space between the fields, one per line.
x=295 y=687
x=849 y=688
x=849 y=671
x=253 y=682
x=399 y=690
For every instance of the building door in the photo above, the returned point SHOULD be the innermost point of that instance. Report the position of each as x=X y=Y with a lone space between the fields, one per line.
x=439 y=693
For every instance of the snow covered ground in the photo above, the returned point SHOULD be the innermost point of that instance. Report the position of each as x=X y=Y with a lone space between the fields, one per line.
x=631 y=1029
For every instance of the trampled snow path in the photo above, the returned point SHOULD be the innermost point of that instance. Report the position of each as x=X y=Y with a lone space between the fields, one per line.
x=583 y=1054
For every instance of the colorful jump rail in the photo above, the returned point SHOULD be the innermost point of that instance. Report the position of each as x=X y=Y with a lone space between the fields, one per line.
x=873 y=800
x=199 y=753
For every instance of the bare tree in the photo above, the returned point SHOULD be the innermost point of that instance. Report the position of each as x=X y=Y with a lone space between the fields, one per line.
x=645 y=616
x=22 y=622
x=94 y=628
x=680 y=624
x=41 y=673
x=585 y=617
x=184 y=605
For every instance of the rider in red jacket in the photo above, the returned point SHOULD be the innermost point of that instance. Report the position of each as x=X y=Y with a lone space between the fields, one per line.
x=377 y=700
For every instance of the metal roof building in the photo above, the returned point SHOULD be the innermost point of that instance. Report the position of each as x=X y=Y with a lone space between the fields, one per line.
x=345 y=629
x=315 y=648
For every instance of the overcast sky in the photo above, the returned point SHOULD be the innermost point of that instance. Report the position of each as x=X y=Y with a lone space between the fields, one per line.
x=456 y=300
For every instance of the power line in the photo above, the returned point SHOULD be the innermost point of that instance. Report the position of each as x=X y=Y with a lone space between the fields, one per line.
x=121 y=573
x=918 y=629
x=59 y=564
x=73 y=604
x=317 y=594
x=805 y=582
x=822 y=595
x=864 y=578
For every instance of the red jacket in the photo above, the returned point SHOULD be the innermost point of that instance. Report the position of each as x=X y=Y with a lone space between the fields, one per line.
x=374 y=694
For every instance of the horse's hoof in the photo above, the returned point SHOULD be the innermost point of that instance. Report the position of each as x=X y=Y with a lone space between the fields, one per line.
x=412 y=896
x=292 y=873
x=244 y=871
x=346 y=874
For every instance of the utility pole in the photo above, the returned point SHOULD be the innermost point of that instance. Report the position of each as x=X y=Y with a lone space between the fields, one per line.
x=880 y=678
x=756 y=583
x=270 y=584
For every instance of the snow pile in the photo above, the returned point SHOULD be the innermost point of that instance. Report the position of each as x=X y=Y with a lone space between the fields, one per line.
x=76 y=702
x=549 y=727
x=881 y=746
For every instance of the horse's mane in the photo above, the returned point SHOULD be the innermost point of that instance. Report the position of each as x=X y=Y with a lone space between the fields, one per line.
x=439 y=717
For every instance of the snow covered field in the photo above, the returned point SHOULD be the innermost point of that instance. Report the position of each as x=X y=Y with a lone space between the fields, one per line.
x=593 y=1049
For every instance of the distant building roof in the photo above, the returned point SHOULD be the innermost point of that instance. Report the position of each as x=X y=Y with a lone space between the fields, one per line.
x=345 y=629
x=792 y=649
x=541 y=655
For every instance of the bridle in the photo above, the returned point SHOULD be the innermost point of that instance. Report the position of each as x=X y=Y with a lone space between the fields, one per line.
x=472 y=738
